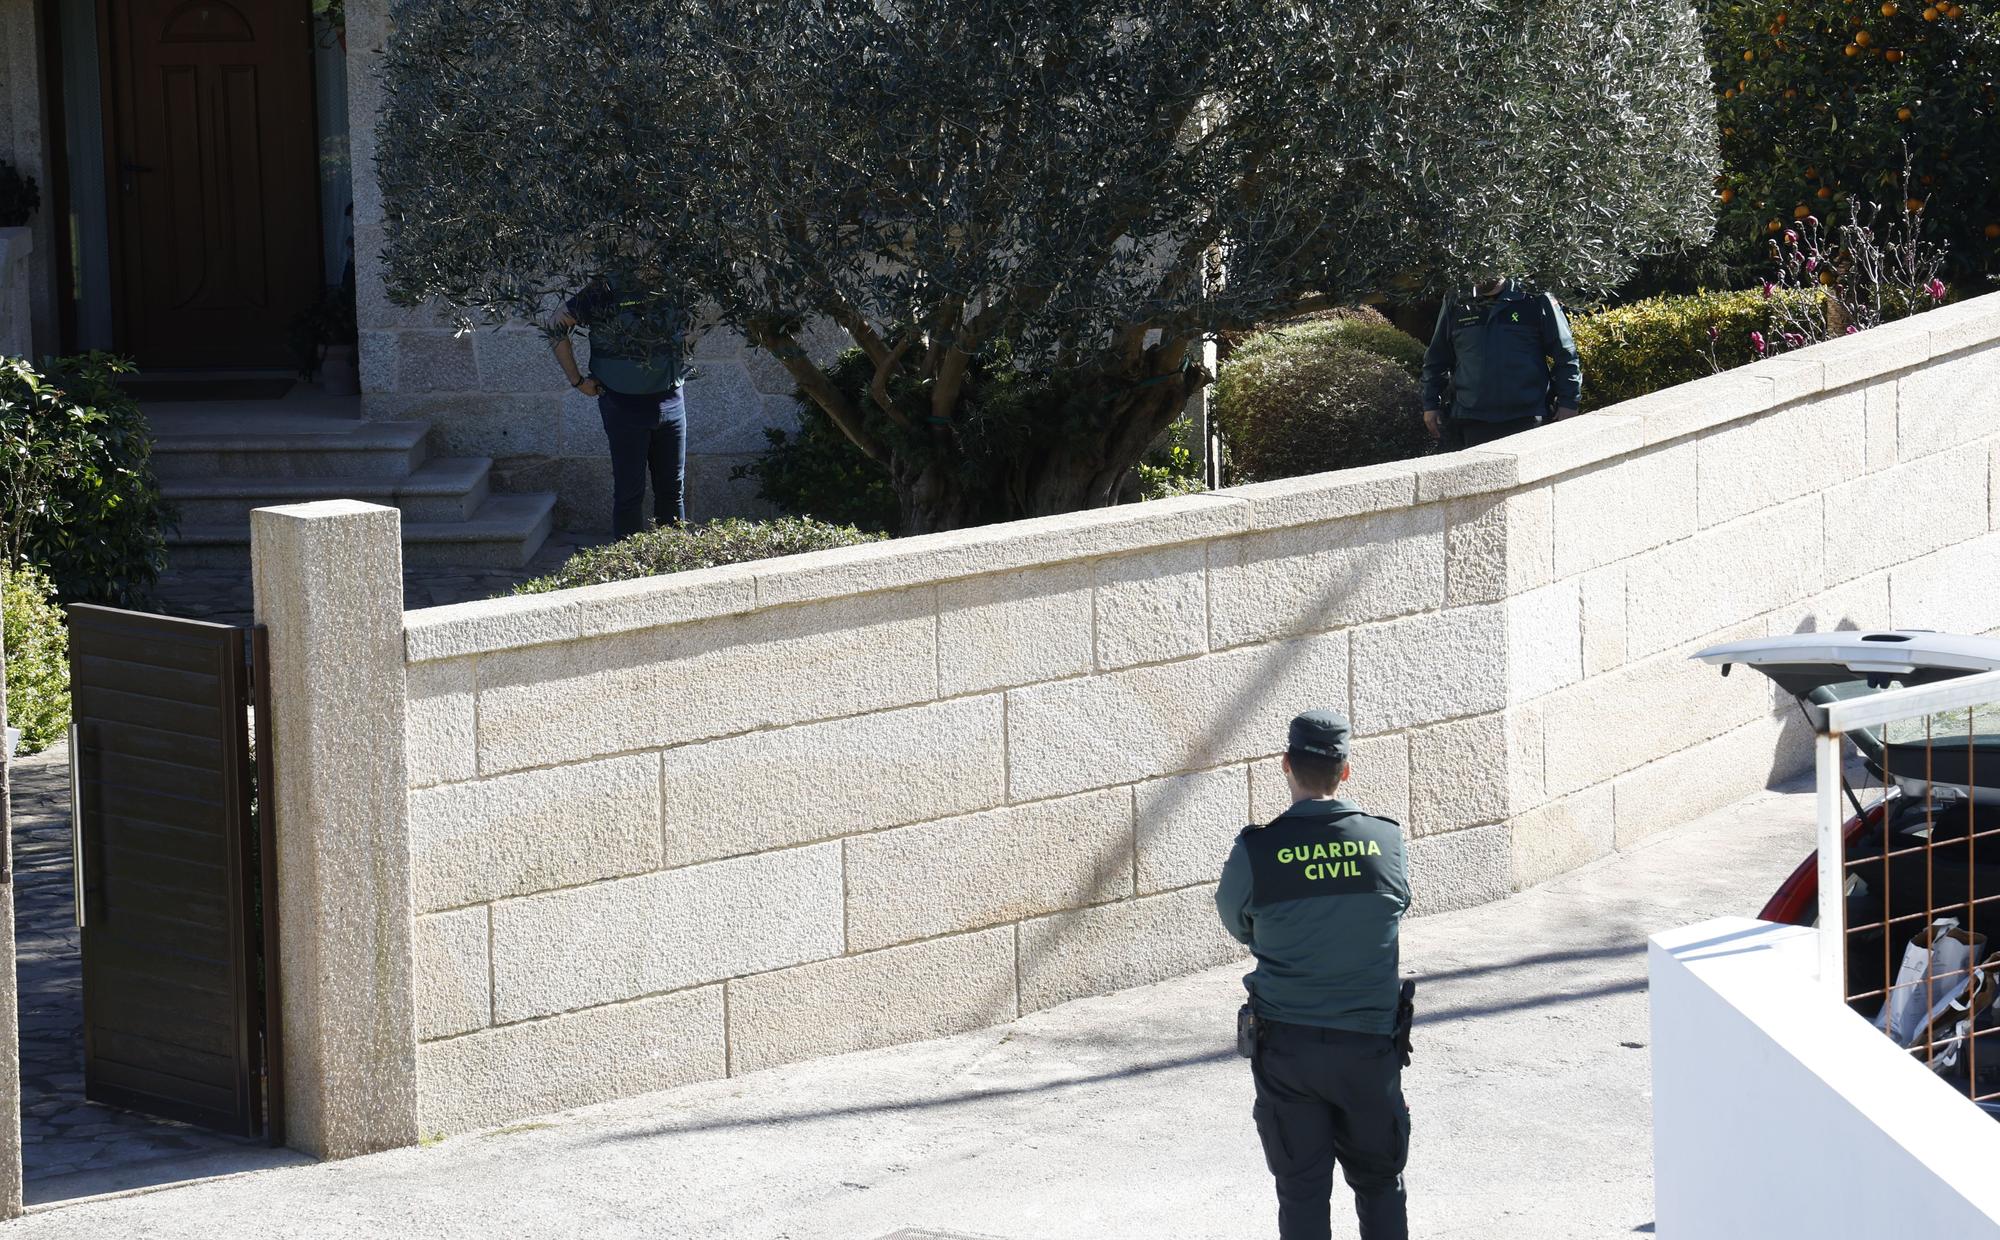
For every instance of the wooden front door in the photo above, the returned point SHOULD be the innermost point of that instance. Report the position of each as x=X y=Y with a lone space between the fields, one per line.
x=211 y=155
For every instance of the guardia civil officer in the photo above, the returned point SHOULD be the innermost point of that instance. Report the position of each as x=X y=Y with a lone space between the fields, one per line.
x=1509 y=354
x=1318 y=895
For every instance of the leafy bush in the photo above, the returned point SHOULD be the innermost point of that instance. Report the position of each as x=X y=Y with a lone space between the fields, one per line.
x=1364 y=327
x=816 y=471
x=19 y=196
x=1647 y=345
x=37 y=658
x=77 y=493
x=679 y=549
x=1302 y=399
x=1818 y=99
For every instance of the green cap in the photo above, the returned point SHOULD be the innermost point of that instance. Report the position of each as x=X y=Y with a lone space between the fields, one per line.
x=1322 y=733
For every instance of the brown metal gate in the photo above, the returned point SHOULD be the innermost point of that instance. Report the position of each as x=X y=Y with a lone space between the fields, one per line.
x=170 y=864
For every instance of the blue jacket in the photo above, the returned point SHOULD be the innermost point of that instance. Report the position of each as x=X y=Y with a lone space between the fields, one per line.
x=1510 y=356
x=1319 y=896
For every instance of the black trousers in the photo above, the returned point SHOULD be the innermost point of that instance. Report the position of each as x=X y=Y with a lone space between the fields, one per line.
x=1327 y=1096
x=1471 y=432
x=648 y=435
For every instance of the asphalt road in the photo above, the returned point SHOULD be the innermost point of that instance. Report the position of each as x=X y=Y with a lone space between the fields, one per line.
x=1124 y=1116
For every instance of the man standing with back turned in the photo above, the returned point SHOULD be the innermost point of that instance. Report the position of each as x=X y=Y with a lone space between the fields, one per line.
x=1318 y=896
x=1511 y=360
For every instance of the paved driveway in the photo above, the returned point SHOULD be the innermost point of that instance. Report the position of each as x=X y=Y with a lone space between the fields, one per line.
x=1126 y=1116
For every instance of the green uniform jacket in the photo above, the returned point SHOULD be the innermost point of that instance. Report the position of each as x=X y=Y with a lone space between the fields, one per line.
x=1318 y=896
x=1510 y=356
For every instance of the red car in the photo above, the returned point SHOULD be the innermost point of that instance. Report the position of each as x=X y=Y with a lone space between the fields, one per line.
x=1943 y=790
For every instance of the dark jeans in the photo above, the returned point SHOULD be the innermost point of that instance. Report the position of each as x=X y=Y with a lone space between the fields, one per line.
x=1327 y=1096
x=648 y=434
x=1471 y=432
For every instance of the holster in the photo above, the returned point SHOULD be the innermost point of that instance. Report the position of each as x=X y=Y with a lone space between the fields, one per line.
x=1406 y=1018
x=1247 y=1031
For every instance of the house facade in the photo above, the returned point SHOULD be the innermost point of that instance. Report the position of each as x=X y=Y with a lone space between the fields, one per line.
x=207 y=173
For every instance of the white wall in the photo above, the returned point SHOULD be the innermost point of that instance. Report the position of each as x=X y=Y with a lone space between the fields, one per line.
x=1779 y=1114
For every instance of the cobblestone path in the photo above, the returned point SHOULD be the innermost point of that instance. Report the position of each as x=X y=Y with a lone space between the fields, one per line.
x=61 y=1134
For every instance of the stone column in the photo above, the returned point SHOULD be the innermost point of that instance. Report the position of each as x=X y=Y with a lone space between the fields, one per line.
x=10 y=1011
x=329 y=586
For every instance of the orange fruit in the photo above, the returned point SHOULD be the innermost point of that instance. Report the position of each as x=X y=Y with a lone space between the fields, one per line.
x=1889 y=9
x=1749 y=55
x=1931 y=15
x=1993 y=232
x=1851 y=50
x=1826 y=277
x=1903 y=114
x=1824 y=192
x=1954 y=12
x=1892 y=55
x=1812 y=174
x=1728 y=195
x=1801 y=211
x=1914 y=204
x=1772 y=226
x=1790 y=93
x=1863 y=38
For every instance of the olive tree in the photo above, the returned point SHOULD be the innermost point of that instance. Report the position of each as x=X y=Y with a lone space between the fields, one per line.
x=1029 y=214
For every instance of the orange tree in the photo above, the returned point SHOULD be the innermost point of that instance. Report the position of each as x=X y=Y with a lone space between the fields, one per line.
x=1818 y=100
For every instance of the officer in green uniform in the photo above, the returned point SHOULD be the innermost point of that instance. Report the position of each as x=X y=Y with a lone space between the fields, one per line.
x=1510 y=356
x=1318 y=895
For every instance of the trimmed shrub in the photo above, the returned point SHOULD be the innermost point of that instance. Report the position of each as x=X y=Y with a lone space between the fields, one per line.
x=1634 y=349
x=37 y=658
x=1364 y=327
x=1302 y=400
x=77 y=491
x=679 y=549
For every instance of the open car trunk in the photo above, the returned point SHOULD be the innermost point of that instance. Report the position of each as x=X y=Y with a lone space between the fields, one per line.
x=1924 y=843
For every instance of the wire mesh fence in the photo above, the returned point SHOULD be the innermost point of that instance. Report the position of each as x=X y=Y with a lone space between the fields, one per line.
x=1909 y=881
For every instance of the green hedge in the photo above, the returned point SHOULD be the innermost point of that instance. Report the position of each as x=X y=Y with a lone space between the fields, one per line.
x=672 y=549
x=77 y=491
x=1304 y=399
x=1364 y=327
x=37 y=658
x=1647 y=345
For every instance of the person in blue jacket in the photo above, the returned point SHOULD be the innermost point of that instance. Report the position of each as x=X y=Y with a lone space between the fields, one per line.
x=1510 y=359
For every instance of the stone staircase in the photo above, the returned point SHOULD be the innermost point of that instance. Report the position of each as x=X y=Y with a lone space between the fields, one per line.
x=216 y=462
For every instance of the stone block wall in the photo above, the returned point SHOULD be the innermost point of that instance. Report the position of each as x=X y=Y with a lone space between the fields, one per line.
x=671 y=829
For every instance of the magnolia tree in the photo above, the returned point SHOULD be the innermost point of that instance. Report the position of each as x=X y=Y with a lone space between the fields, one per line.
x=1028 y=214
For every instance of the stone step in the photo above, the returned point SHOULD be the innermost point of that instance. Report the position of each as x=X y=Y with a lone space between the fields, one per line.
x=441 y=489
x=505 y=532
x=318 y=448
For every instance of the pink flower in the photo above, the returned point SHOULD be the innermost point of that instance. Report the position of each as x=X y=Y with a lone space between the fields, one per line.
x=1791 y=238
x=1794 y=339
x=1936 y=289
x=1770 y=290
x=1812 y=221
x=1851 y=329
x=1715 y=333
x=1757 y=342
x=1812 y=264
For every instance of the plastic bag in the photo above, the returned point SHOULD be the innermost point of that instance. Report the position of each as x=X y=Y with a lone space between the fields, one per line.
x=1935 y=971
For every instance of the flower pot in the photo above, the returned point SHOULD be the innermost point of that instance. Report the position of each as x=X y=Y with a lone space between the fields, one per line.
x=338 y=373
